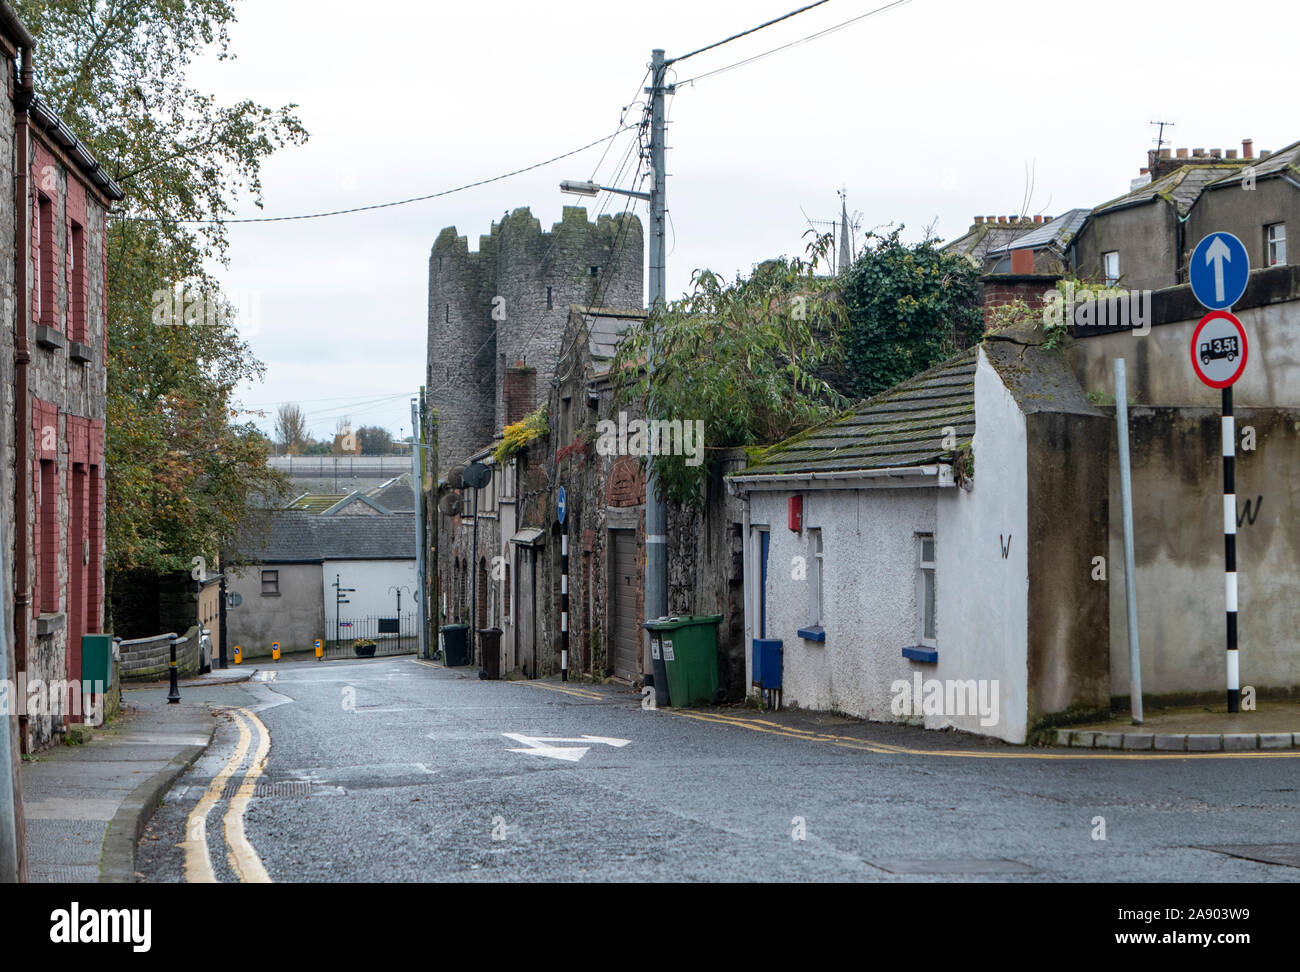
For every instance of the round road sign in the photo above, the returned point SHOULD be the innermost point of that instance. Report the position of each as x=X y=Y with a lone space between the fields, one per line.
x=1219 y=349
x=1219 y=271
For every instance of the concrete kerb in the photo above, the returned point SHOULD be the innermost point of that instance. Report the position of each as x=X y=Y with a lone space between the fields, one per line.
x=1180 y=742
x=118 y=854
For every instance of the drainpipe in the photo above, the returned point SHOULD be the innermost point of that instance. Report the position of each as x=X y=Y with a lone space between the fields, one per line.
x=11 y=811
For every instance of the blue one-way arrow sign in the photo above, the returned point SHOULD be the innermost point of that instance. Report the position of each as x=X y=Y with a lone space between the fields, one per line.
x=1219 y=270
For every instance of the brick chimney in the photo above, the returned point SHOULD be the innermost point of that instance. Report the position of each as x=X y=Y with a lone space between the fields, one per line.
x=1248 y=148
x=517 y=392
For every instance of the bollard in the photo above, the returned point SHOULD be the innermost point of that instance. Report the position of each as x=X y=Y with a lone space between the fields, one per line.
x=275 y=651
x=320 y=650
x=237 y=658
x=174 y=694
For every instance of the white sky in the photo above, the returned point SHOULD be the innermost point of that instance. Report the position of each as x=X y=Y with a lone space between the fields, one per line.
x=929 y=113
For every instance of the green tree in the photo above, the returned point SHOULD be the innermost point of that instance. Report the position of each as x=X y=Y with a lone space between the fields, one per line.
x=750 y=359
x=909 y=307
x=375 y=441
x=184 y=471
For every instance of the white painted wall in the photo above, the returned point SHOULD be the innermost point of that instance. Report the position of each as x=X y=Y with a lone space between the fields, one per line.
x=983 y=606
x=869 y=539
x=371 y=578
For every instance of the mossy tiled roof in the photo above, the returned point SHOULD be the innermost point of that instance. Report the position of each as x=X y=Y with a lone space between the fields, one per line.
x=901 y=427
x=316 y=502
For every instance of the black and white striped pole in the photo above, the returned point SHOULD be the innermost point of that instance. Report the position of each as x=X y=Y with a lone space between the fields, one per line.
x=1230 y=548
x=1219 y=351
x=562 y=509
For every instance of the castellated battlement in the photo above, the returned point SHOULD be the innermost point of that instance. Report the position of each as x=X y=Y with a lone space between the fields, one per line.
x=508 y=303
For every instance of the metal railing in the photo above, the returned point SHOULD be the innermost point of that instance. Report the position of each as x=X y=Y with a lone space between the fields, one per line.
x=391 y=634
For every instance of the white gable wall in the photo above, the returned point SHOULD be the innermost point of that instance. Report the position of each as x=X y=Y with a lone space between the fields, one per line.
x=371 y=578
x=983 y=607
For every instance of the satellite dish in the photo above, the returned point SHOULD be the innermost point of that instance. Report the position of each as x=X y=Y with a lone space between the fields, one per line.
x=477 y=475
x=450 y=504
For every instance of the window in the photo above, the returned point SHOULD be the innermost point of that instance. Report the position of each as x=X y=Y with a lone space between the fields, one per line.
x=77 y=285
x=270 y=583
x=47 y=528
x=815 y=575
x=46 y=309
x=926 y=565
x=505 y=594
x=1110 y=267
x=1275 y=243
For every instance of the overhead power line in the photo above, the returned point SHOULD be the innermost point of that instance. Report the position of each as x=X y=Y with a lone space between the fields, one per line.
x=385 y=205
x=795 y=43
x=744 y=33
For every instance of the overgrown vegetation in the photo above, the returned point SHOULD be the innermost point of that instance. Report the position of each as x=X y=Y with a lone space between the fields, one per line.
x=909 y=307
x=751 y=359
x=516 y=436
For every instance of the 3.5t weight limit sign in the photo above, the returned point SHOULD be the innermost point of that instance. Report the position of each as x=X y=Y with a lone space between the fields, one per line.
x=1219 y=349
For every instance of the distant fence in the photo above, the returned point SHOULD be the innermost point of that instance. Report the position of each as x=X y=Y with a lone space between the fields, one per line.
x=345 y=466
x=392 y=634
x=147 y=659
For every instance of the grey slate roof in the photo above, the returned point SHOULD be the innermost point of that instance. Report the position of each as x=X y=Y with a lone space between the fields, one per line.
x=976 y=242
x=396 y=495
x=307 y=538
x=1183 y=187
x=1057 y=233
x=604 y=328
x=900 y=427
x=1285 y=160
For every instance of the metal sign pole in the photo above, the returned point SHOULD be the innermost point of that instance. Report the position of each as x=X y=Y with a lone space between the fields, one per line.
x=1130 y=574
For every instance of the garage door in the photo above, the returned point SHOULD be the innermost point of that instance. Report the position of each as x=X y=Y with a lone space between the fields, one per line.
x=625 y=636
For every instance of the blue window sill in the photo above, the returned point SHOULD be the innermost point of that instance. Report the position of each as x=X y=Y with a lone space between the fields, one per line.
x=922 y=654
x=817 y=633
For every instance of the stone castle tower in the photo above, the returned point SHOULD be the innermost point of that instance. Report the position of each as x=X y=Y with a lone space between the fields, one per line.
x=508 y=305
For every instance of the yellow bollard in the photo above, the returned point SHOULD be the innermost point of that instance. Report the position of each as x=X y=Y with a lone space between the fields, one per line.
x=237 y=658
x=275 y=651
x=320 y=650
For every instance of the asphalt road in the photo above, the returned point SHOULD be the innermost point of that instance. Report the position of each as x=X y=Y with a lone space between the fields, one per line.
x=395 y=770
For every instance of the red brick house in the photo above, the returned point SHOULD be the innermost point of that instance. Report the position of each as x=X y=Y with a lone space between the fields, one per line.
x=55 y=344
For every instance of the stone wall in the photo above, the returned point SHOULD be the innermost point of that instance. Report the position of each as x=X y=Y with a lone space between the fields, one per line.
x=508 y=304
x=148 y=659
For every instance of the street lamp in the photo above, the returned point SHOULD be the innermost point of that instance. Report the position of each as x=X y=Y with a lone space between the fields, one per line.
x=580 y=188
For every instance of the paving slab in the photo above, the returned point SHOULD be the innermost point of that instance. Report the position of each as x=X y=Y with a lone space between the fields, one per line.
x=86 y=805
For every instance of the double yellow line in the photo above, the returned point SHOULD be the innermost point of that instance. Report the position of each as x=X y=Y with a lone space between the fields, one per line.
x=849 y=742
x=242 y=857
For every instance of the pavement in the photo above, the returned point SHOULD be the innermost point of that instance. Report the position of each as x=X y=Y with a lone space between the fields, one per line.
x=86 y=805
x=1273 y=724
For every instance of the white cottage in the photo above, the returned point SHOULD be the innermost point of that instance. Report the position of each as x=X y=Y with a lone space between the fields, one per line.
x=913 y=557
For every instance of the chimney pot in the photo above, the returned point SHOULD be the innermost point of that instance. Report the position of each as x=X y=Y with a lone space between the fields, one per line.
x=1002 y=219
x=1216 y=153
x=1232 y=153
x=979 y=220
x=1144 y=171
x=990 y=219
x=1247 y=148
x=1197 y=152
x=1182 y=153
x=1166 y=153
x=1265 y=153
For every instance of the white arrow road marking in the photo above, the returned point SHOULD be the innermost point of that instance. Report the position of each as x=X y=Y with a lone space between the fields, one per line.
x=1217 y=252
x=538 y=745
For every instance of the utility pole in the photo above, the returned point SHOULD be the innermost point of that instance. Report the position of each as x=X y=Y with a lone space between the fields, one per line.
x=417 y=491
x=656 y=511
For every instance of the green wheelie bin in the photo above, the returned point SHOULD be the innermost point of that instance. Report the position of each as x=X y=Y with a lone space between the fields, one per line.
x=689 y=646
